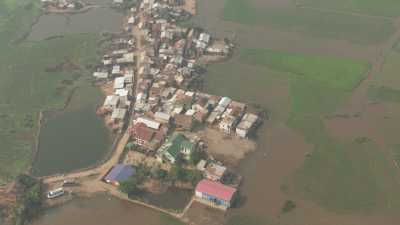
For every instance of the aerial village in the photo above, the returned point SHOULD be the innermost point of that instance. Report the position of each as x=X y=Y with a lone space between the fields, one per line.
x=146 y=76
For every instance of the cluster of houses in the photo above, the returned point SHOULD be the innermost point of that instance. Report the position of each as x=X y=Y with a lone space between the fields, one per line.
x=151 y=69
x=63 y=4
x=118 y=67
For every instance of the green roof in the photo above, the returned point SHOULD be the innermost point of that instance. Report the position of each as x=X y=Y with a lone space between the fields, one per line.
x=177 y=143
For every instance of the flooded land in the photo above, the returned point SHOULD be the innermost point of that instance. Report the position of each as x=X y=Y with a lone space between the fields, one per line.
x=103 y=210
x=326 y=72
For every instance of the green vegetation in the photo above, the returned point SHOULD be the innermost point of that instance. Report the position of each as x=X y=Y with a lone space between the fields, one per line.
x=130 y=187
x=34 y=76
x=311 y=22
x=349 y=177
x=178 y=173
x=196 y=156
x=288 y=206
x=329 y=71
x=158 y=173
x=341 y=176
x=385 y=94
x=29 y=200
x=133 y=185
x=390 y=8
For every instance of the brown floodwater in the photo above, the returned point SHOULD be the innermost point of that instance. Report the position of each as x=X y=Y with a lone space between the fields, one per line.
x=280 y=149
x=100 y=210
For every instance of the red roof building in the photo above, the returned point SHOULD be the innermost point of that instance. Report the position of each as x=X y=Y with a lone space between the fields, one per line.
x=215 y=194
x=147 y=137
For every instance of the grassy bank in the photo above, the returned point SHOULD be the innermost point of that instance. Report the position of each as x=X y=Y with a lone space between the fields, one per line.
x=387 y=8
x=310 y=22
x=34 y=76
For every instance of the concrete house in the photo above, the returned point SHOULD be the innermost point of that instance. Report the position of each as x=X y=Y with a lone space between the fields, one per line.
x=111 y=102
x=214 y=171
x=185 y=122
x=248 y=122
x=215 y=194
x=177 y=144
x=227 y=124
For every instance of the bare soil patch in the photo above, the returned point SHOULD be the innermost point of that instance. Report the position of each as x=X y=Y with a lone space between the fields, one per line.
x=227 y=147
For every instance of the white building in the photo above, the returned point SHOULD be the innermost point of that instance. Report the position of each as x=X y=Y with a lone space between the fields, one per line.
x=248 y=122
x=148 y=122
x=119 y=82
x=100 y=75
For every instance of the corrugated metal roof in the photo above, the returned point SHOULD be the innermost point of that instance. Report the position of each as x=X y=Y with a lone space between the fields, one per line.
x=120 y=172
x=216 y=189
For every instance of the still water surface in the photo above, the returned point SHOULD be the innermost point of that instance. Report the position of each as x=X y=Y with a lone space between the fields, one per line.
x=96 y=20
x=100 y=210
x=74 y=138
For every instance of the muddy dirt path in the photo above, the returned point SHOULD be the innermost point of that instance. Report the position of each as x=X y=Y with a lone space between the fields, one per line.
x=359 y=101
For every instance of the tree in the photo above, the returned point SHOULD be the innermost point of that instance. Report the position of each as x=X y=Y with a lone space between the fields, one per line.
x=179 y=160
x=196 y=156
x=177 y=172
x=158 y=173
x=288 y=206
x=130 y=187
x=193 y=176
x=29 y=199
x=141 y=174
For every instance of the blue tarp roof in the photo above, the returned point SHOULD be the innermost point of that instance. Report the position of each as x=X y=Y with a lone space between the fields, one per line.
x=120 y=172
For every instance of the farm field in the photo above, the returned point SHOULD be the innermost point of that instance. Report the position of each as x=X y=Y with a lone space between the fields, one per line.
x=357 y=29
x=318 y=85
x=389 y=8
x=34 y=76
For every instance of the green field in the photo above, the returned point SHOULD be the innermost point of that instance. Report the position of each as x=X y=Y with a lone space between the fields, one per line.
x=310 y=22
x=342 y=177
x=385 y=94
x=334 y=72
x=385 y=85
x=389 y=8
x=34 y=76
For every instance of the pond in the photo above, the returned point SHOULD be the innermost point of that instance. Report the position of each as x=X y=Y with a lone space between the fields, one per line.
x=173 y=198
x=96 y=20
x=73 y=138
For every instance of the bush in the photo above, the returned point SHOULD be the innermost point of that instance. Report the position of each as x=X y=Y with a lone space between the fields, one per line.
x=196 y=156
x=29 y=199
x=288 y=206
x=180 y=174
x=130 y=187
x=158 y=173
